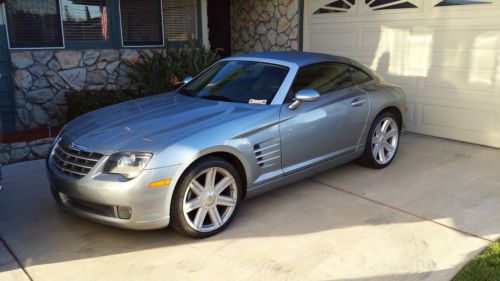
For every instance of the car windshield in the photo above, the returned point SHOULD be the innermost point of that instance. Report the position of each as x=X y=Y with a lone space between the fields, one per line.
x=238 y=81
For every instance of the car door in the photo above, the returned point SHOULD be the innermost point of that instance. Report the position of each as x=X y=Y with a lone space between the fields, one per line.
x=327 y=128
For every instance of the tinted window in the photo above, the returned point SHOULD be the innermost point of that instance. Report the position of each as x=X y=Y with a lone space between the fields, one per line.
x=34 y=23
x=85 y=21
x=460 y=2
x=359 y=76
x=324 y=77
x=238 y=81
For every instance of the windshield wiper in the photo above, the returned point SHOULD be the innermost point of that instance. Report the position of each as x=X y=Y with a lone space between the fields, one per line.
x=218 y=98
x=184 y=92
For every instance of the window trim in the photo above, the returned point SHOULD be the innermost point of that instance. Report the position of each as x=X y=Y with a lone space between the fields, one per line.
x=35 y=48
x=141 y=46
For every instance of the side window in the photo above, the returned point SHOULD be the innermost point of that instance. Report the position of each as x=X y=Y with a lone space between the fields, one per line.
x=359 y=76
x=322 y=77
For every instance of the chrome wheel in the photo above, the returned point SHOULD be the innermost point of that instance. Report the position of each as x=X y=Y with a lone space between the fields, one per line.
x=385 y=140
x=210 y=199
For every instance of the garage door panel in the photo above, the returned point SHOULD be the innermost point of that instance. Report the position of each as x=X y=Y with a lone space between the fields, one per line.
x=477 y=121
x=464 y=83
x=333 y=39
x=446 y=60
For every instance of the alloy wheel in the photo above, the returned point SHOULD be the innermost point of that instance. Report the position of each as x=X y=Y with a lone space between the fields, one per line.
x=210 y=199
x=385 y=140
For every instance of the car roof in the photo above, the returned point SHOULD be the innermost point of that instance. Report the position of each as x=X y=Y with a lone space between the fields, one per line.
x=299 y=58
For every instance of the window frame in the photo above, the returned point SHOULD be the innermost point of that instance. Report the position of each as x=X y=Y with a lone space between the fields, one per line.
x=35 y=48
x=140 y=46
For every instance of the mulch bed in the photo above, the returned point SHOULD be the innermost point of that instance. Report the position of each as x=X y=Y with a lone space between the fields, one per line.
x=30 y=135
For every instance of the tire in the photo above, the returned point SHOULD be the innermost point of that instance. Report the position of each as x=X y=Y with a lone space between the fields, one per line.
x=200 y=209
x=387 y=138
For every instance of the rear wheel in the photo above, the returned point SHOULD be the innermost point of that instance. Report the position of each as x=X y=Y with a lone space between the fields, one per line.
x=207 y=198
x=383 y=141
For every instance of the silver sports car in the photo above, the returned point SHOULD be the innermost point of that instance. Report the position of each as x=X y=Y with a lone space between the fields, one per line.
x=244 y=126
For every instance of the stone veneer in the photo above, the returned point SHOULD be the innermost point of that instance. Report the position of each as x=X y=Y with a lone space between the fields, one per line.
x=42 y=79
x=20 y=151
x=264 y=25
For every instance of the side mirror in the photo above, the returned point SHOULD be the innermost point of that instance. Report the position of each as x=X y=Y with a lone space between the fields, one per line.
x=305 y=95
x=187 y=79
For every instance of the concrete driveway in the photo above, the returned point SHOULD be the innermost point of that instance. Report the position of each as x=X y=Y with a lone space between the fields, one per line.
x=423 y=218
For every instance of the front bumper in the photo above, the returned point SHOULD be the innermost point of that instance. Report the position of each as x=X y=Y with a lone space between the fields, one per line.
x=97 y=196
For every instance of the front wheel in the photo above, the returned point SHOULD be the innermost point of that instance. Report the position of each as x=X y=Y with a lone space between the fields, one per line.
x=382 y=142
x=207 y=198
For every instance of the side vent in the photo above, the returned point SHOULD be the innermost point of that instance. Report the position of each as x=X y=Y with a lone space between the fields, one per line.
x=267 y=153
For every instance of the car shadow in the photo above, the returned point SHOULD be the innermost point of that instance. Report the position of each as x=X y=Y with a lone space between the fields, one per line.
x=41 y=233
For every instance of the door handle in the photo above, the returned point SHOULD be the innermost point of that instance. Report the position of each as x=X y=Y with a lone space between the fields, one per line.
x=358 y=102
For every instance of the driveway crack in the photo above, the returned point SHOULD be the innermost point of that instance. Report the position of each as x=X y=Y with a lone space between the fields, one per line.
x=400 y=210
x=16 y=259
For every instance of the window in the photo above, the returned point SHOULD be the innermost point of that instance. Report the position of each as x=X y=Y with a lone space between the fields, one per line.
x=180 y=19
x=460 y=3
x=141 y=22
x=389 y=4
x=359 y=76
x=85 y=20
x=323 y=77
x=34 y=23
x=339 y=6
x=238 y=81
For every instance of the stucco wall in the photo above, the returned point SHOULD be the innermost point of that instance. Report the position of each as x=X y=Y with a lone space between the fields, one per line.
x=264 y=25
x=43 y=78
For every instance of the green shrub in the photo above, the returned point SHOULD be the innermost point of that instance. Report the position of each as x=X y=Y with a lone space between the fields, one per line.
x=81 y=102
x=159 y=72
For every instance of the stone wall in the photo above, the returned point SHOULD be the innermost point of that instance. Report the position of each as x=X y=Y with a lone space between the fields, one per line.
x=264 y=25
x=20 y=151
x=42 y=79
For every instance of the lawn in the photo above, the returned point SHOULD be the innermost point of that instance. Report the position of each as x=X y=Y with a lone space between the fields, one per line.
x=485 y=267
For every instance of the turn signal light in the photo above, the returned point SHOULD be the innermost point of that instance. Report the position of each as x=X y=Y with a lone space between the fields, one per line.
x=159 y=183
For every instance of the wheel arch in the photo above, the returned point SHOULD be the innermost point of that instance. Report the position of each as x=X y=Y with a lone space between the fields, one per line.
x=394 y=110
x=231 y=158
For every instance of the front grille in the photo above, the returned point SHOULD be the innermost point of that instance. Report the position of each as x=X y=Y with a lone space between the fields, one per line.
x=74 y=161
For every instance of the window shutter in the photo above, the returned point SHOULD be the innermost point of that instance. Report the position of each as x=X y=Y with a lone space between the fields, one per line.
x=141 y=22
x=179 y=17
x=85 y=20
x=34 y=23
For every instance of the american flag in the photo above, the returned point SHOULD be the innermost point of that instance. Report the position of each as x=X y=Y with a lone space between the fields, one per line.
x=104 y=23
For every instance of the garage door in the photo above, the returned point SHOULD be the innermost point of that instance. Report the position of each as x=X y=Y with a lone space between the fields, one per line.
x=444 y=53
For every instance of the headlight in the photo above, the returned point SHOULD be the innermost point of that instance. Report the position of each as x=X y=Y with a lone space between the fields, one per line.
x=127 y=164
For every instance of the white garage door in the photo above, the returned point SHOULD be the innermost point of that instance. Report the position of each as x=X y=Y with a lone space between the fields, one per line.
x=444 y=53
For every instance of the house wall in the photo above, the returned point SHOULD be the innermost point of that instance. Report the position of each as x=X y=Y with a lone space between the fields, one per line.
x=43 y=78
x=264 y=25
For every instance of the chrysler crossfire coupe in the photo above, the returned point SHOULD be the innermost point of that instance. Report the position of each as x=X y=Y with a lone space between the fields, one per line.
x=246 y=125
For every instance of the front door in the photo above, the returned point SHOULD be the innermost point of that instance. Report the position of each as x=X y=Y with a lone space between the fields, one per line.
x=325 y=129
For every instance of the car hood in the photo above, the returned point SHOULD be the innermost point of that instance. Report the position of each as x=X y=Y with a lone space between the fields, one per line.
x=150 y=124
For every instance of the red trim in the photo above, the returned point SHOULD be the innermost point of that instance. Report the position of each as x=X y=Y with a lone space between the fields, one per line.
x=30 y=135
